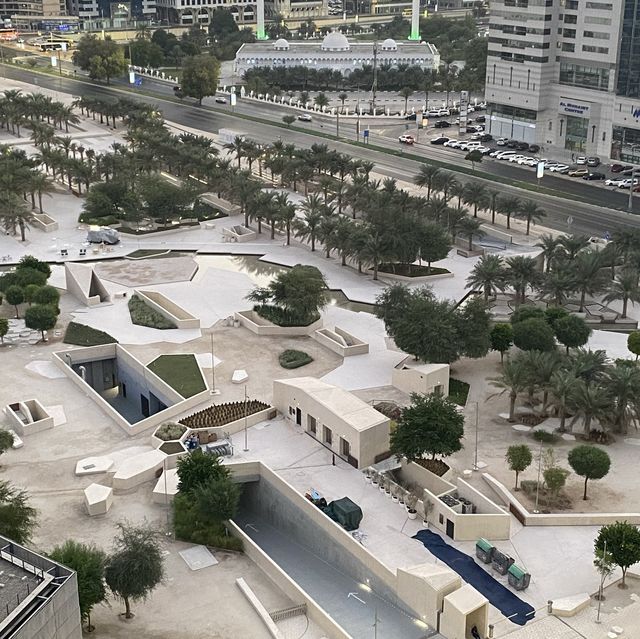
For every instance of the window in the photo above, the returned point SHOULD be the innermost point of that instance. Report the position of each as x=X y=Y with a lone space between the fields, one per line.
x=569 y=47
x=596 y=20
x=345 y=448
x=602 y=6
x=572 y=5
x=568 y=33
x=581 y=76
x=571 y=19
x=589 y=49
x=441 y=518
x=598 y=35
x=326 y=435
x=311 y=421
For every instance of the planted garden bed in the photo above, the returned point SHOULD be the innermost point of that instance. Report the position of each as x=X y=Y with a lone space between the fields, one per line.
x=222 y=414
x=411 y=270
x=294 y=359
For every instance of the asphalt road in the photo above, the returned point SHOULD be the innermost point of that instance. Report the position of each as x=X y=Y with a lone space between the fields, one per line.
x=597 y=218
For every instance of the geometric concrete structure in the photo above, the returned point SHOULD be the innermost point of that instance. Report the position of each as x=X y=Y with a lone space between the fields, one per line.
x=341 y=342
x=138 y=469
x=168 y=309
x=410 y=376
x=570 y=606
x=342 y=422
x=238 y=233
x=28 y=417
x=166 y=487
x=93 y=466
x=84 y=284
x=98 y=499
x=464 y=609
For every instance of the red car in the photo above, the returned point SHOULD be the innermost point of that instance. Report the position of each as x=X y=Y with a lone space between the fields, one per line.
x=618 y=168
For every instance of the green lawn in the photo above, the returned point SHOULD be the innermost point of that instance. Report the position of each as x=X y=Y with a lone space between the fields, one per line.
x=458 y=391
x=181 y=372
x=82 y=335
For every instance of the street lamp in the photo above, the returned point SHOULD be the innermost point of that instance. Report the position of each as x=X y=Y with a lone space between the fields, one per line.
x=535 y=510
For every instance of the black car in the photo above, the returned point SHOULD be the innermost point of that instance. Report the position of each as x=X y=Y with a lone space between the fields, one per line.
x=628 y=172
x=486 y=137
x=442 y=124
x=534 y=148
x=481 y=118
x=595 y=175
x=411 y=116
x=512 y=144
x=522 y=146
x=439 y=140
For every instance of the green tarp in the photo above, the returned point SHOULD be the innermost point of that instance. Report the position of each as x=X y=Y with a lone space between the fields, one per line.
x=347 y=513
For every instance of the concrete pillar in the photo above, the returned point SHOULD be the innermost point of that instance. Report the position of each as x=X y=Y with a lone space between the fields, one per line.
x=415 y=20
x=260 y=32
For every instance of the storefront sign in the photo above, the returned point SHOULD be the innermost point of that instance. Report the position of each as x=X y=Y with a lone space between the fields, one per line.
x=571 y=107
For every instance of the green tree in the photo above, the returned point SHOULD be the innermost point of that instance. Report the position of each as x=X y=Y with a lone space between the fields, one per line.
x=525 y=312
x=533 y=334
x=4 y=326
x=514 y=380
x=589 y=275
x=431 y=425
x=101 y=57
x=200 y=75
x=29 y=261
x=405 y=93
x=622 y=542
x=289 y=119
x=501 y=339
x=321 y=100
x=522 y=272
x=18 y=519
x=197 y=469
x=624 y=287
x=217 y=500
x=30 y=292
x=470 y=227
x=6 y=440
x=475 y=157
x=474 y=327
x=40 y=317
x=15 y=296
x=426 y=177
x=562 y=386
x=589 y=401
x=555 y=478
x=487 y=275
x=589 y=462
x=139 y=547
x=572 y=331
x=531 y=212
x=633 y=343
x=434 y=243
x=88 y=562
x=47 y=295
x=163 y=200
x=519 y=458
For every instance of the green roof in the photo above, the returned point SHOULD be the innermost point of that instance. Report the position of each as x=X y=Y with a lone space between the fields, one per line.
x=516 y=571
x=484 y=544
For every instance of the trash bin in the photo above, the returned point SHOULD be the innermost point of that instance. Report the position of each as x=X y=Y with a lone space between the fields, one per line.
x=484 y=550
x=501 y=562
x=517 y=577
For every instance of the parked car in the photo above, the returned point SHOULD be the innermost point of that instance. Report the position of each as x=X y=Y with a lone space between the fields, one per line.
x=522 y=146
x=453 y=143
x=221 y=100
x=433 y=113
x=534 y=148
x=502 y=141
x=578 y=173
x=305 y=117
x=481 y=118
x=581 y=159
x=618 y=168
x=443 y=112
x=442 y=124
x=486 y=137
x=512 y=144
x=411 y=116
x=628 y=183
x=441 y=139
x=594 y=175
x=593 y=161
x=406 y=139
x=559 y=168
x=614 y=181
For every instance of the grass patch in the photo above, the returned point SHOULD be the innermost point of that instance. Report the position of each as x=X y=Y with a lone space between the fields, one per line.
x=82 y=335
x=280 y=317
x=545 y=437
x=170 y=431
x=205 y=211
x=144 y=315
x=143 y=253
x=294 y=359
x=411 y=270
x=458 y=391
x=181 y=372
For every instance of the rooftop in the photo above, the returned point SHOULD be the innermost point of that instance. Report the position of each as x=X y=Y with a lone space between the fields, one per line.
x=16 y=584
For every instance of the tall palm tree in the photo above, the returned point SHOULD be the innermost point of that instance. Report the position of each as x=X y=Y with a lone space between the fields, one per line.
x=475 y=195
x=15 y=214
x=285 y=213
x=426 y=177
x=443 y=183
x=39 y=183
x=341 y=238
x=624 y=287
x=589 y=401
x=308 y=226
x=589 y=277
x=588 y=365
x=488 y=274
x=326 y=232
x=514 y=380
x=561 y=385
x=508 y=206
x=237 y=147
x=457 y=190
x=406 y=93
x=522 y=272
x=557 y=285
x=531 y=212
x=622 y=381
x=470 y=228
x=493 y=196
x=540 y=367
x=572 y=245
x=549 y=248
x=376 y=249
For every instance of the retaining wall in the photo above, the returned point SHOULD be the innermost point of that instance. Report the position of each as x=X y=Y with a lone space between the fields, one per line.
x=341 y=342
x=261 y=326
x=168 y=309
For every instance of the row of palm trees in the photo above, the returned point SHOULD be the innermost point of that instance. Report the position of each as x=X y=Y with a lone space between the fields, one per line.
x=584 y=384
x=572 y=268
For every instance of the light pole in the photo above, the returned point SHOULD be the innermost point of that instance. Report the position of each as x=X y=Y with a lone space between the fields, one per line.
x=337 y=123
x=214 y=390
x=475 y=459
x=634 y=172
x=535 y=510
x=246 y=443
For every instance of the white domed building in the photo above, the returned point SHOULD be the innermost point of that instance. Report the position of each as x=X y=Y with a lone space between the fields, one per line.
x=335 y=52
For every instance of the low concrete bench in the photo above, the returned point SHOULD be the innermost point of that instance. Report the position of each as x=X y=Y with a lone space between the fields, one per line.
x=570 y=606
x=138 y=469
x=98 y=499
x=239 y=376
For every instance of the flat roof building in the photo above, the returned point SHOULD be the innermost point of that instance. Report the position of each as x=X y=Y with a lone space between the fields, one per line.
x=335 y=52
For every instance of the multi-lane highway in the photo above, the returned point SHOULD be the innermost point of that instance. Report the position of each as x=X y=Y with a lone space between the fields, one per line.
x=595 y=214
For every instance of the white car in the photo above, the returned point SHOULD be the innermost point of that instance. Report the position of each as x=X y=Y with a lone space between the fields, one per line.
x=502 y=141
x=305 y=117
x=526 y=161
x=443 y=112
x=581 y=159
x=499 y=155
x=626 y=184
x=517 y=158
x=614 y=181
x=453 y=144
x=433 y=113
x=559 y=168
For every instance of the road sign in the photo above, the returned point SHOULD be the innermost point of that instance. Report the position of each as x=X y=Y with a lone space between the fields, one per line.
x=540 y=170
x=138 y=82
x=233 y=99
x=365 y=133
x=132 y=77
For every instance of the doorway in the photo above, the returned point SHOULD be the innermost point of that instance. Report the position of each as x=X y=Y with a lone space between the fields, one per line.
x=144 y=405
x=450 y=528
x=298 y=417
x=345 y=448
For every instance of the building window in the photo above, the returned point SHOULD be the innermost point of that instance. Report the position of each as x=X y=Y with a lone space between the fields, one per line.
x=580 y=76
x=602 y=6
x=326 y=435
x=569 y=47
x=598 y=35
x=572 y=5
x=571 y=19
x=312 y=424
x=589 y=49
x=568 y=33
x=345 y=448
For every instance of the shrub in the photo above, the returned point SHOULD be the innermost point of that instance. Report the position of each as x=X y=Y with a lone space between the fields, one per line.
x=144 y=315
x=545 y=437
x=170 y=431
x=82 y=335
x=280 y=317
x=294 y=359
x=533 y=335
x=205 y=211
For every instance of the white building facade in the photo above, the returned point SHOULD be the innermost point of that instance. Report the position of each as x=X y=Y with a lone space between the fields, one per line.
x=335 y=52
x=566 y=75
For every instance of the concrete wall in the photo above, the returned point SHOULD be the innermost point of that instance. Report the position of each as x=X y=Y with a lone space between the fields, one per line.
x=418 y=380
x=260 y=326
x=463 y=609
x=365 y=445
x=168 y=309
x=341 y=342
x=37 y=416
x=84 y=284
x=44 y=222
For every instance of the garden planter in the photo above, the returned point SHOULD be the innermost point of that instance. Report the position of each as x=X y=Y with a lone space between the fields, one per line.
x=381 y=489
x=425 y=523
x=412 y=513
x=375 y=484
x=367 y=479
x=394 y=499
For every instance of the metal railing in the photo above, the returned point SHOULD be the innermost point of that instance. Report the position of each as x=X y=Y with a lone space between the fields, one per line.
x=288 y=613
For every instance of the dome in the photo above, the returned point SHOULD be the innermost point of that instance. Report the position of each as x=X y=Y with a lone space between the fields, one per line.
x=389 y=45
x=281 y=45
x=335 y=42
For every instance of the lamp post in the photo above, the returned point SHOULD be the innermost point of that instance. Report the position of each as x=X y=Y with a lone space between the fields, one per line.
x=246 y=443
x=214 y=390
x=535 y=510
x=634 y=172
x=475 y=459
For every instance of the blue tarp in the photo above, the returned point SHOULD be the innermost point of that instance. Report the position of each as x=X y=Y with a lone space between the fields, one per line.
x=509 y=604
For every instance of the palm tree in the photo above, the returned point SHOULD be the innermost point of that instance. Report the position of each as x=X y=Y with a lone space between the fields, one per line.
x=406 y=93
x=342 y=97
x=426 y=177
x=341 y=238
x=573 y=245
x=457 y=190
x=549 y=246
x=540 y=367
x=561 y=385
x=237 y=147
x=588 y=365
x=14 y=214
x=470 y=227
x=624 y=287
x=285 y=213
x=443 y=183
x=589 y=401
x=514 y=380
x=493 y=196
x=308 y=227
x=326 y=232
x=589 y=276
x=508 y=206
x=39 y=183
x=521 y=273
x=376 y=250
x=531 y=212
x=488 y=275
x=475 y=195
x=622 y=381
x=557 y=285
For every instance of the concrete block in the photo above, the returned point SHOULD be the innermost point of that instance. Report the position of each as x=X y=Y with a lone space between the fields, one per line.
x=570 y=606
x=98 y=499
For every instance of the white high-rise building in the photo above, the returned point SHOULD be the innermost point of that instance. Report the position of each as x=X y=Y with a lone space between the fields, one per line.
x=565 y=74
